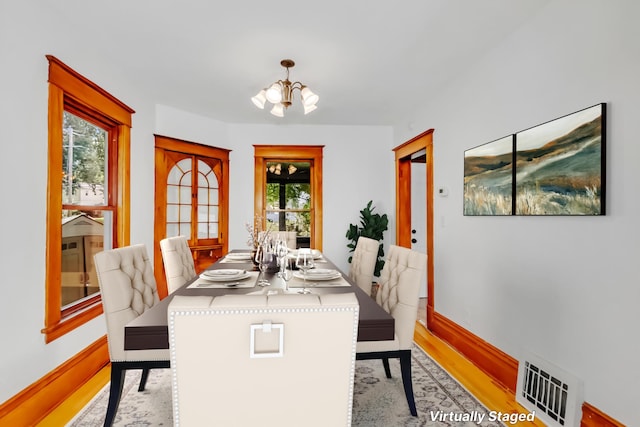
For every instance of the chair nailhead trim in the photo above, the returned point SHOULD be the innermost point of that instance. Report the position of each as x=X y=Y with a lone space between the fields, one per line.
x=174 y=365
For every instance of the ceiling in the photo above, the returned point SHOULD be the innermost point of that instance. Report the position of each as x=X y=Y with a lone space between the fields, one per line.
x=371 y=62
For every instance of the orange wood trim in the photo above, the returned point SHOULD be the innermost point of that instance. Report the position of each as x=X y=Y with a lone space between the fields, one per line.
x=34 y=402
x=490 y=359
x=403 y=200
x=184 y=146
x=499 y=365
x=124 y=186
x=53 y=279
x=164 y=147
x=79 y=87
x=57 y=330
x=313 y=153
x=430 y=222
x=66 y=84
x=413 y=145
x=593 y=417
x=403 y=153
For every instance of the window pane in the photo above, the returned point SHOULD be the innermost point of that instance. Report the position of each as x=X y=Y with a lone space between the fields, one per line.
x=203 y=196
x=185 y=229
x=203 y=230
x=185 y=194
x=172 y=194
x=202 y=213
x=172 y=213
x=213 y=214
x=83 y=162
x=83 y=235
x=185 y=213
x=213 y=197
x=172 y=230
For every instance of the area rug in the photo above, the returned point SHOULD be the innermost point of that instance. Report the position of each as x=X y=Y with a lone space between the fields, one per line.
x=378 y=401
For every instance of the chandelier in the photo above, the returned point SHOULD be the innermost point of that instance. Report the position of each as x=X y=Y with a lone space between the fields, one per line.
x=280 y=94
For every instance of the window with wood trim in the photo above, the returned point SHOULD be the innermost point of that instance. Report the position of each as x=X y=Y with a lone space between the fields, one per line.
x=288 y=190
x=191 y=200
x=88 y=194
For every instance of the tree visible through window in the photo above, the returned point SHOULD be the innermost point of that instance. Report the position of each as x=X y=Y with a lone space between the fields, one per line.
x=289 y=197
x=84 y=196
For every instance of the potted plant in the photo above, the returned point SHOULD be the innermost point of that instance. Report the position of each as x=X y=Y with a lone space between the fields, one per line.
x=372 y=225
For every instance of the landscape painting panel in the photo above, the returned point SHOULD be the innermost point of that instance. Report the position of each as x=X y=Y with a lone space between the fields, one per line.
x=560 y=165
x=488 y=182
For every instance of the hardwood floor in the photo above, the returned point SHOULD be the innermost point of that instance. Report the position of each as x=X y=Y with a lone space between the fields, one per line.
x=493 y=396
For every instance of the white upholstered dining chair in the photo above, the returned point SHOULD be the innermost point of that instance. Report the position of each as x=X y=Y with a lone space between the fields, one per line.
x=128 y=289
x=363 y=262
x=178 y=262
x=398 y=294
x=277 y=360
x=289 y=236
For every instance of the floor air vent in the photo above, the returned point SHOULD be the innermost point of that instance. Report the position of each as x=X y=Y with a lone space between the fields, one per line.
x=554 y=394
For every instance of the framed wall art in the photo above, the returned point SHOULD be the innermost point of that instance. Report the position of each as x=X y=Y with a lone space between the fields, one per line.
x=488 y=178
x=560 y=165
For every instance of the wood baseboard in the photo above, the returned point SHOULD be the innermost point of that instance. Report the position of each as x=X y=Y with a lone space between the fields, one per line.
x=497 y=364
x=32 y=404
x=593 y=417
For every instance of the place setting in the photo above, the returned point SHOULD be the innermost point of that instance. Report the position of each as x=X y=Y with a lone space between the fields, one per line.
x=224 y=278
x=237 y=257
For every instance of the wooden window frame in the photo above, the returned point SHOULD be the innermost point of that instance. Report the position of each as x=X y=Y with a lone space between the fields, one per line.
x=311 y=153
x=165 y=144
x=70 y=91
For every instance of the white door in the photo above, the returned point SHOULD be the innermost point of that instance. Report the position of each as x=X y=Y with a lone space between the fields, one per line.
x=419 y=210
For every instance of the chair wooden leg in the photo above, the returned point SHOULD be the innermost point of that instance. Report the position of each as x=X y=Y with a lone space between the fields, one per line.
x=115 y=392
x=143 y=379
x=405 y=368
x=385 y=363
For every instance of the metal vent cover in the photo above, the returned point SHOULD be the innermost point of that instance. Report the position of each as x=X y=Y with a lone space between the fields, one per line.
x=555 y=395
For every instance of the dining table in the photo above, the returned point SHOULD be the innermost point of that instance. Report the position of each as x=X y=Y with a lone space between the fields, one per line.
x=150 y=330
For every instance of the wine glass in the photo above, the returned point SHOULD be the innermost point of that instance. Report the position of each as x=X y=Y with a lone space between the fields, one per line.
x=287 y=275
x=264 y=256
x=281 y=252
x=304 y=262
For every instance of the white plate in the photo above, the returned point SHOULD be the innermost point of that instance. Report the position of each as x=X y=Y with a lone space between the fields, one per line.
x=226 y=277
x=316 y=277
x=226 y=272
x=239 y=256
x=321 y=272
x=316 y=253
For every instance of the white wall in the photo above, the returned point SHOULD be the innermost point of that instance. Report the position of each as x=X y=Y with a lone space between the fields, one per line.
x=357 y=167
x=27 y=34
x=565 y=288
x=23 y=140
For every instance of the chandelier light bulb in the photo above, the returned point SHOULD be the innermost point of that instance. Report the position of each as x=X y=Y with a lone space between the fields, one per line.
x=309 y=108
x=308 y=97
x=274 y=93
x=260 y=99
x=278 y=110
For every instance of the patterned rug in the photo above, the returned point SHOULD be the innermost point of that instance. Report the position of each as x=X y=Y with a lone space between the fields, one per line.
x=378 y=401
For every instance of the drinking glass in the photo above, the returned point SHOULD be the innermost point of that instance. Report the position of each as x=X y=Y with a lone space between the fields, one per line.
x=287 y=274
x=304 y=262
x=264 y=256
x=281 y=252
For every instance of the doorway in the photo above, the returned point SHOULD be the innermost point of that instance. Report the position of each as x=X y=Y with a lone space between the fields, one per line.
x=414 y=203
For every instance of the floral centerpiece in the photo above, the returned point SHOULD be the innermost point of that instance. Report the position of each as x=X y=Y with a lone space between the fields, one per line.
x=257 y=236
